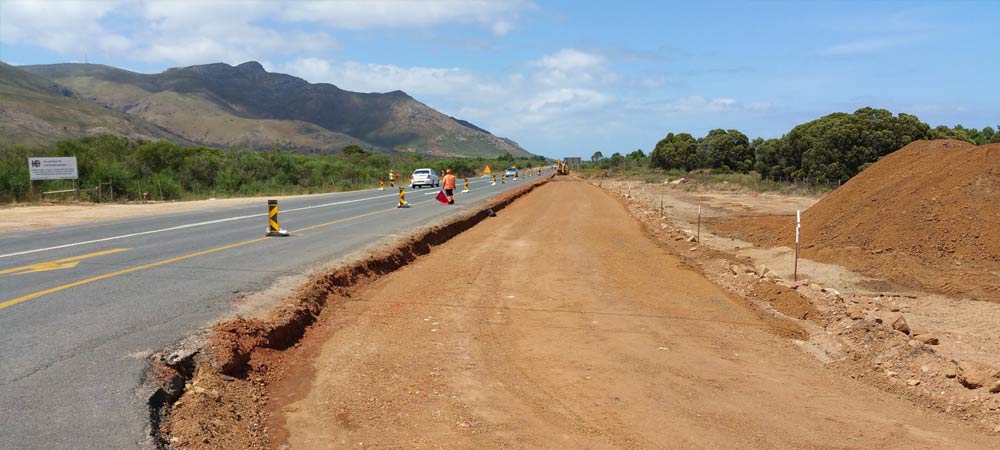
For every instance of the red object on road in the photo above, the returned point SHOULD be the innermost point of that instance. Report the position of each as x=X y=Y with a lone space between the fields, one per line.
x=441 y=197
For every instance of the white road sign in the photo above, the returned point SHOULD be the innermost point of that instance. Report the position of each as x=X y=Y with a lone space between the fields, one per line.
x=55 y=168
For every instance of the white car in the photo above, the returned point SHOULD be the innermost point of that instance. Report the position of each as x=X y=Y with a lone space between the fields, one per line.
x=424 y=177
x=511 y=172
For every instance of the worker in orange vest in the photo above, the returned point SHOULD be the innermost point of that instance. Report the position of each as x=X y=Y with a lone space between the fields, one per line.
x=449 y=186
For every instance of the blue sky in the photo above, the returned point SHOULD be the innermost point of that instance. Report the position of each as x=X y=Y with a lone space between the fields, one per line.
x=565 y=77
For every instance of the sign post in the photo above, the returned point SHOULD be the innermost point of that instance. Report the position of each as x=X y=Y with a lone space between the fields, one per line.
x=52 y=168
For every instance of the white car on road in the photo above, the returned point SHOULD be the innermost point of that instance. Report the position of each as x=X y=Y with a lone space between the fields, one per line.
x=511 y=172
x=424 y=177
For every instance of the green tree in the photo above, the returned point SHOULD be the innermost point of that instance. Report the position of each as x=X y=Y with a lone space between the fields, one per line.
x=354 y=150
x=637 y=155
x=596 y=156
x=987 y=135
x=676 y=151
x=729 y=150
x=616 y=161
x=837 y=146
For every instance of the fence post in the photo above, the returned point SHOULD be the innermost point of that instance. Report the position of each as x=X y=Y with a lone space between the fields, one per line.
x=699 y=224
x=798 y=225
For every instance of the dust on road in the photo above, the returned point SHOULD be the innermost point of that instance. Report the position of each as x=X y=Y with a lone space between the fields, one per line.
x=560 y=324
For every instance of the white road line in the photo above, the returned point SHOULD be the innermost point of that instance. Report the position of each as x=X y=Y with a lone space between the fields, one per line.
x=198 y=224
x=190 y=225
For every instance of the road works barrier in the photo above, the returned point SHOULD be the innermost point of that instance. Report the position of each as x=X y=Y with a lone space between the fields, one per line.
x=273 y=229
x=402 y=199
x=381 y=185
x=466 y=185
x=494 y=183
x=227 y=353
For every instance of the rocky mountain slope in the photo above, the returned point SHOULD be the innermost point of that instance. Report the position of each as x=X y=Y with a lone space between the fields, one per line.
x=246 y=106
x=34 y=110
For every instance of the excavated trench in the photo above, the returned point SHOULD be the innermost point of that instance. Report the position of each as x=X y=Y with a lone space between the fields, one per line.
x=236 y=358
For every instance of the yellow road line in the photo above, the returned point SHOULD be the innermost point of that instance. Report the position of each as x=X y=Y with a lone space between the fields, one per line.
x=64 y=263
x=35 y=295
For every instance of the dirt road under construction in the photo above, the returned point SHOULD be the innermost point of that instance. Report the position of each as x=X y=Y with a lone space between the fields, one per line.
x=561 y=324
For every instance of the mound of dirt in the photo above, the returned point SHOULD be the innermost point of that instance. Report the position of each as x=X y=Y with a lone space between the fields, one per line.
x=784 y=299
x=927 y=215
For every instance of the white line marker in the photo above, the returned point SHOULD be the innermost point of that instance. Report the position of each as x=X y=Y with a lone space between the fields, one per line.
x=191 y=225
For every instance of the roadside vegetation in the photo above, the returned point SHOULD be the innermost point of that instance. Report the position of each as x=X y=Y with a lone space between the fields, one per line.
x=162 y=170
x=813 y=157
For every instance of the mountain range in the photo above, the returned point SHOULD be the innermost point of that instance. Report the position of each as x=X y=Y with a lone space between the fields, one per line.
x=220 y=105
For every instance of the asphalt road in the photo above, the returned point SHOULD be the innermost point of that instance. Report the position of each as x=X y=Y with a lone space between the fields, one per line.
x=82 y=306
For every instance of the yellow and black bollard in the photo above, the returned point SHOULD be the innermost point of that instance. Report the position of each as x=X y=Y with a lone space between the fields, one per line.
x=402 y=198
x=503 y=179
x=381 y=185
x=273 y=229
x=466 y=185
x=494 y=183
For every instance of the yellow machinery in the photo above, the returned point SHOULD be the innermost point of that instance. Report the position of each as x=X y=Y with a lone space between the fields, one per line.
x=562 y=168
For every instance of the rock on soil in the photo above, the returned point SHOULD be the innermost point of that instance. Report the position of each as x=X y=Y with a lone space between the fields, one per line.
x=974 y=376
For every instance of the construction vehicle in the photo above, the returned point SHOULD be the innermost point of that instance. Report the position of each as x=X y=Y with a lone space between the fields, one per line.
x=562 y=168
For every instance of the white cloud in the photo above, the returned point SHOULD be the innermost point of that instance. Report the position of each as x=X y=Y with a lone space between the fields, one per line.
x=65 y=26
x=193 y=32
x=567 y=99
x=502 y=27
x=498 y=15
x=186 y=32
x=360 y=77
x=571 y=59
x=573 y=67
x=865 y=46
x=565 y=104
x=697 y=104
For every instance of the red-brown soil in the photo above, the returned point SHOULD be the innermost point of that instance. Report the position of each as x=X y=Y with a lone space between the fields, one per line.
x=927 y=216
x=561 y=324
